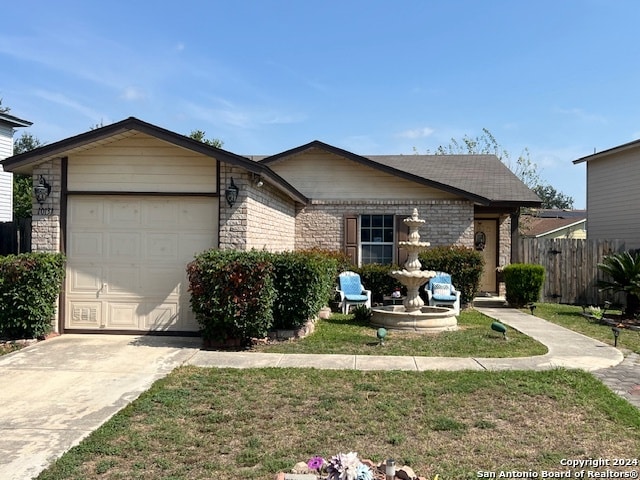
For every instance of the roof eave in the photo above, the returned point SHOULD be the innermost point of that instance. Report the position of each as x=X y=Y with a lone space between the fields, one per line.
x=18 y=163
x=610 y=151
x=373 y=164
x=14 y=121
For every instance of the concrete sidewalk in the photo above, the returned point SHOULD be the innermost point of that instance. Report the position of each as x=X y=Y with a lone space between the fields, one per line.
x=58 y=391
x=566 y=349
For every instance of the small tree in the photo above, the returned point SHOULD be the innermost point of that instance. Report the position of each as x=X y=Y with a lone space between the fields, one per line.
x=623 y=270
x=551 y=198
x=23 y=184
x=200 y=136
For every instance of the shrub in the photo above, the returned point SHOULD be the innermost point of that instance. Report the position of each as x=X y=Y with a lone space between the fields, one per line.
x=232 y=294
x=304 y=282
x=523 y=282
x=29 y=287
x=375 y=277
x=362 y=314
x=464 y=264
x=623 y=271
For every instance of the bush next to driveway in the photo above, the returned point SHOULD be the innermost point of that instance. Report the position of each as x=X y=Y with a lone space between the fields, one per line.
x=232 y=294
x=304 y=283
x=29 y=286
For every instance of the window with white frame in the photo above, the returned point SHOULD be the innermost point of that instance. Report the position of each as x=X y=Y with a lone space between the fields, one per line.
x=376 y=239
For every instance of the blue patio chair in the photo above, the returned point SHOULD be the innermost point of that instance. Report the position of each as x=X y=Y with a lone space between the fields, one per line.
x=352 y=292
x=442 y=293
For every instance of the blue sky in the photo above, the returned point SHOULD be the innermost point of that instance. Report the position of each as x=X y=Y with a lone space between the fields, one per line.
x=558 y=77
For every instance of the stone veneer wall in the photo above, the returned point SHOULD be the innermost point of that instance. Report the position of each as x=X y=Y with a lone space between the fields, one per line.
x=262 y=217
x=504 y=249
x=45 y=223
x=321 y=224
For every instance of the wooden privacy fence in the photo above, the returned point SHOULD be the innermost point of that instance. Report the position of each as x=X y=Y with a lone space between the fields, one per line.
x=15 y=237
x=571 y=268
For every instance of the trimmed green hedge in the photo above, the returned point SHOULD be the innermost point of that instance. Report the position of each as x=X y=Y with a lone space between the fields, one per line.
x=304 y=282
x=232 y=294
x=244 y=294
x=375 y=277
x=523 y=282
x=29 y=287
x=464 y=264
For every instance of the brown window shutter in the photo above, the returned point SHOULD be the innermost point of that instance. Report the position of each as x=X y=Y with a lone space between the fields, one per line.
x=402 y=235
x=351 y=237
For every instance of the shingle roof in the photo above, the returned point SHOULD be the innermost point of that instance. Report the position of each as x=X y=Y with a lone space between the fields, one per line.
x=533 y=226
x=481 y=178
x=482 y=175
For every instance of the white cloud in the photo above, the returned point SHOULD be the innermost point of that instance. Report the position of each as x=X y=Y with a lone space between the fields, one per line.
x=417 y=133
x=225 y=112
x=580 y=114
x=132 y=94
x=67 y=102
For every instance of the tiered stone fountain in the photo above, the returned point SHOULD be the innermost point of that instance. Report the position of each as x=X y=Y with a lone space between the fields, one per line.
x=413 y=314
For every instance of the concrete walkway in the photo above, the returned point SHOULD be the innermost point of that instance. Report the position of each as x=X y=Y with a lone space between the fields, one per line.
x=56 y=392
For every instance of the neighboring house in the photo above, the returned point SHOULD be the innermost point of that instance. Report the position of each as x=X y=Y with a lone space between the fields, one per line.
x=554 y=223
x=613 y=194
x=8 y=124
x=131 y=204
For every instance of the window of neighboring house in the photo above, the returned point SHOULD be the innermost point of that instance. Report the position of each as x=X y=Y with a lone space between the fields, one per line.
x=376 y=239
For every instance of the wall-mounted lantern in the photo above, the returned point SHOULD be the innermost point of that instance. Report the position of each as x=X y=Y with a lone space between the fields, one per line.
x=42 y=190
x=231 y=193
x=257 y=180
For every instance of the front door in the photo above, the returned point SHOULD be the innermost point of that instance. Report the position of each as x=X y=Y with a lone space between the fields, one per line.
x=486 y=242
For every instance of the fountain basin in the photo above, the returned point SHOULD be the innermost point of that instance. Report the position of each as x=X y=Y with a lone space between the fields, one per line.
x=427 y=319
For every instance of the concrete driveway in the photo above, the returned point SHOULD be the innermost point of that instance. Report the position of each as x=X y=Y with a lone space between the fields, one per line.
x=57 y=392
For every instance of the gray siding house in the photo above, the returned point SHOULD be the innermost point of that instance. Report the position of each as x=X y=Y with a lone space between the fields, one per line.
x=613 y=194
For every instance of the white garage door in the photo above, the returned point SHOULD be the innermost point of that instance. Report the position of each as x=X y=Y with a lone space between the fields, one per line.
x=126 y=260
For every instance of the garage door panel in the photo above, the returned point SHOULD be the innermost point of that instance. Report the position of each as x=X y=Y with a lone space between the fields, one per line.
x=123 y=280
x=124 y=246
x=194 y=244
x=196 y=216
x=85 y=245
x=162 y=282
x=85 y=314
x=122 y=315
x=162 y=247
x=162 y=317
x=127 y=258
x=125 y=213
x=86 y=278
x=89 y=213
x=160 y=212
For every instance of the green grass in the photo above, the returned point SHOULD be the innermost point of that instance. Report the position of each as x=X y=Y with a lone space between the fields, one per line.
x=569 y=316
x=342 y=334
x=226 y=423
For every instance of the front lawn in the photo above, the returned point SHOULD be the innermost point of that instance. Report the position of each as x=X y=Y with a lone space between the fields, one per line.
x=569 y=316
x=249 y=424
x=342 y=334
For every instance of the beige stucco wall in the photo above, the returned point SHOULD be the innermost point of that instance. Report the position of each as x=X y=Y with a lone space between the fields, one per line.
x=321 y=175
x=141 y=163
